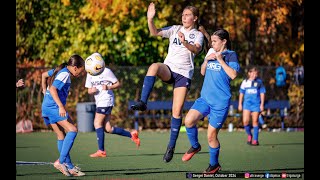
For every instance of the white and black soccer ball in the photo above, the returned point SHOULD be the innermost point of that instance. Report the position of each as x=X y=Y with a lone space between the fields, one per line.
x=94 y=64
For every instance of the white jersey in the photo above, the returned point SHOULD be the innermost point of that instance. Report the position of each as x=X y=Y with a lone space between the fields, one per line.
x=103 y=98
x=179 y=58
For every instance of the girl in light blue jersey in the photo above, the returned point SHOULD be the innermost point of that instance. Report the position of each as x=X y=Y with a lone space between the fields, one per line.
x=185 y=42
x=220 y=66
x=54 y=112
x=251 y=102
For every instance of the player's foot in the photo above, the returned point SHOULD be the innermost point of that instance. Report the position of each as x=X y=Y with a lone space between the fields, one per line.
x=213 y=169
x=255 y=143
x=75 y=171
x=249 y=139
x=188 y=155
x=168 y=155
x=99 y=153
x=135 y=137
x=140 y=105
x=62 y=168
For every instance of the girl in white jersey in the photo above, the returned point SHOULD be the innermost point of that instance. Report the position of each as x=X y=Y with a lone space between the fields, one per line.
x=177 y=68
x=101 y=87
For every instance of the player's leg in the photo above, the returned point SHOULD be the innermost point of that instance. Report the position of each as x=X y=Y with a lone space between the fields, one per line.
x=156 y=69
x=179 y=96
x=247 y=127
x=100 y=129
x=255 y=124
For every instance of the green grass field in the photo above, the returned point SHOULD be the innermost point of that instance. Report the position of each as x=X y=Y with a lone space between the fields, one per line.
x=278 y=152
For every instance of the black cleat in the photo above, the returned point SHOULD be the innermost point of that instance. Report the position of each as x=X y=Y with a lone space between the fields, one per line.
x=140 y=105
x=213 y=169
x=168 y=155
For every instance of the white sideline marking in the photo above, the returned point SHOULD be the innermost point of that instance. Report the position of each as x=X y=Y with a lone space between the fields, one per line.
x=32 y=163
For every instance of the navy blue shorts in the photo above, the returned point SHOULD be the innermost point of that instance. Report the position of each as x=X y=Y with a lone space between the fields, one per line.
x=178 y=80
x=104 y=110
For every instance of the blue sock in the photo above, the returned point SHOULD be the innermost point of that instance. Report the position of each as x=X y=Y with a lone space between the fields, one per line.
x=121 y=132
x=175 y=128
x=255 y=132
x=193 y=136
x=100 y=138
x=147 y=87
x=261 y=121
x=214 y=155
x=68 y=160
x=248 y=130
x=67 y=145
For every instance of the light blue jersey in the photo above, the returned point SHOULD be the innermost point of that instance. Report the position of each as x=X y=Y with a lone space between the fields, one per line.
x=216 y=90
x=251 y=91
x=50 y=108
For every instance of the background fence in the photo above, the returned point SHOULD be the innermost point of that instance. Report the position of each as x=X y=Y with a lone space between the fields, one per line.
x=29 y=98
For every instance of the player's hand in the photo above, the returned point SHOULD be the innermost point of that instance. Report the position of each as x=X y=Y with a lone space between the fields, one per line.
x=62 y=111
x=211 y=56
x=20 y=83
x=240 y=107
x=219 y=53
x=181 y=36
x=151 y=11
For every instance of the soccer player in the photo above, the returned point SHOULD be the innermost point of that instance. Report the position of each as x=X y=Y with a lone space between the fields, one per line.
x=55 y=114
x=251 y=102
x=219 y=67
x=101 y=86
x=185 y=41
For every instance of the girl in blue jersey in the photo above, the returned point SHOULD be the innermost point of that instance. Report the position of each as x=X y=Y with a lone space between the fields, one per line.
x=185 y=41
x=55 y=114
x=220 y=66
x=101 y=86
x=251 y=102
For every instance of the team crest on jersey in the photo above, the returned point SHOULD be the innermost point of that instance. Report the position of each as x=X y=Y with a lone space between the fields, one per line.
x=255 y=84
x=192 y=36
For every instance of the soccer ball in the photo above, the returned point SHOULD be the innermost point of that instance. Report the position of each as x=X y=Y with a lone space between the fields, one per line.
x=94 y=64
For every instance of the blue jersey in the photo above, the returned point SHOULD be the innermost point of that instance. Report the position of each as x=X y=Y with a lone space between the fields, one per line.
x=252 y=90
x=62 y=82
x=216 y=86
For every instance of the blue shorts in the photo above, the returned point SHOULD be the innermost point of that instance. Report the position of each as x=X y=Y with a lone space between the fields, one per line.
x=216 y=116
x=251 y=107
x=178 y=80
x=104 y=110
x=51 y=116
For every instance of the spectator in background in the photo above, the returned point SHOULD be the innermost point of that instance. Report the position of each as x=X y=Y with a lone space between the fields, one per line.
x=220 y=66
x=251 y=102
x=20 y=83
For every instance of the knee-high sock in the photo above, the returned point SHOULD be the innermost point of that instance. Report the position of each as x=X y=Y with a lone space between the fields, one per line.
x=147 y=87
x=121 y=132
x=175 y=129
x=214 y=155
x=192 y=133
x=255 y=132
x=68 y=160
x=67 y=145
x=100 y=138
x=248 y=130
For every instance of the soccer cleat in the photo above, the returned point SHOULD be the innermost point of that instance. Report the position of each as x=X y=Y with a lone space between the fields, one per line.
x=249 y=139
x=99 y=153
x=62 y=168
x=255 y=143
x=188 y=155
x=135 y=137
x=75 y=171
x=213 y=169
x=168 y=155
x=140 y=105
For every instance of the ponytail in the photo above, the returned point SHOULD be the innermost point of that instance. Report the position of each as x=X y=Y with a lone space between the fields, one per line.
x=206 y=37
x=56 y=70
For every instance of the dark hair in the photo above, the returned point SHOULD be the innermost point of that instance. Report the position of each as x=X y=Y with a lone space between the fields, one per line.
x=223 y=34
x=74 y=60
x=252 y=68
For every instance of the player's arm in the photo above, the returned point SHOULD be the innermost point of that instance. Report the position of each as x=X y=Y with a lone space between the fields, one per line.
x=240 y=101
x=196 y=48
x=92 y=90
x=115 y=85
x=262 y=98
x=44 y=77
x=54 y=94
x=150 y=15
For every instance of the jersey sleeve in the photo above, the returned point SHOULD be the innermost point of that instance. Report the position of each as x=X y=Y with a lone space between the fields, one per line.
x=111 y=77
x=168 y=31
x=199 y=39
x=50 y=72
x=60 y=80
x=262 y=88
x=242 y=89
x=233 y=62
x=88 y=83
